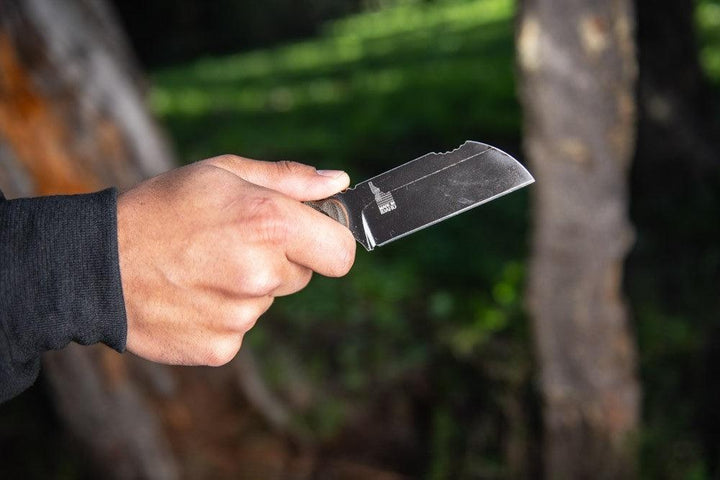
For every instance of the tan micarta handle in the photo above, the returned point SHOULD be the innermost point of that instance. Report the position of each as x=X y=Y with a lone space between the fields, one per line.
x=333 y=208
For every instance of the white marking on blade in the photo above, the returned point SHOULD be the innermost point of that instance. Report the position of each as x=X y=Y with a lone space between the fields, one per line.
x=385 y=201
x=368 y=234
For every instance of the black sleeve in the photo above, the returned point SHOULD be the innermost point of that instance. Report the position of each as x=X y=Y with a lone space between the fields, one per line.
x=59 y=281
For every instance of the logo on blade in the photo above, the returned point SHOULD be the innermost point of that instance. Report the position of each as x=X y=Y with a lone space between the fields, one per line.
x=385 y=201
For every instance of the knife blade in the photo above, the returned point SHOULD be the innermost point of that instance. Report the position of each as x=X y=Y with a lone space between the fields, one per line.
x=424 y=191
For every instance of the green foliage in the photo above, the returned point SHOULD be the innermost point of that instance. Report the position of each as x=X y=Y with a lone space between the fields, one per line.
x=707 y=15
x=376 y=88
x=672 y=281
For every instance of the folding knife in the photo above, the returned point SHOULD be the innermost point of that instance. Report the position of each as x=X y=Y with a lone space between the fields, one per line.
x=423 y=192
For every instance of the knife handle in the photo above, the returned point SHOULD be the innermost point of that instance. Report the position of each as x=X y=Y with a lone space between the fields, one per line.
x=333 y=208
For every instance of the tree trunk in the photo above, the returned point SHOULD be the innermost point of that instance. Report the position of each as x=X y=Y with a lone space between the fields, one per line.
x=72 y=119
x=578 y=71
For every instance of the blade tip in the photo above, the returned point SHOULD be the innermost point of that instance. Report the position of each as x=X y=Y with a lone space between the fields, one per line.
x=529 y=178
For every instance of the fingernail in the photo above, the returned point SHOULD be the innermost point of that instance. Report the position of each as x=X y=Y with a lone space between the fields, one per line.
x=330 y=173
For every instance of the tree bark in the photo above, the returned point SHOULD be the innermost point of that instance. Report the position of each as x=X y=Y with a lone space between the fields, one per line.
x=578 y=70
x=73 y=119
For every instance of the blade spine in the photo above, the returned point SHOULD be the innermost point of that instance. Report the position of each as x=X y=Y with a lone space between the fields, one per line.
x=351 y=190
x=415 y=160
x=427 y=154
x=489 y=147
x=441 y=170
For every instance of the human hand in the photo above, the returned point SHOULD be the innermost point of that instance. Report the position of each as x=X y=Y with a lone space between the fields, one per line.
x=204 y=249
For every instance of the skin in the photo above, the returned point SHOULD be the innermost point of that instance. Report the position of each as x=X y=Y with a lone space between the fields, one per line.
x=206 y=248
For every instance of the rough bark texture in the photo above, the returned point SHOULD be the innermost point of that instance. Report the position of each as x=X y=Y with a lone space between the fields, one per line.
x=578 y=69
x=72 y=119
x=71 y=113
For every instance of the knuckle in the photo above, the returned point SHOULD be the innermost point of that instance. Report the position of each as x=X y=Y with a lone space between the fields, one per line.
x=224 y=160
x=229 y=157
x=244 y=316
x=261 y=283
x=221 y=353
x=292 y=168
x=269 y=220
x=206 y=172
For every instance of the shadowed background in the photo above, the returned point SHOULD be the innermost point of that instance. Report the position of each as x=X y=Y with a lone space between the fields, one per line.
x=421 y=362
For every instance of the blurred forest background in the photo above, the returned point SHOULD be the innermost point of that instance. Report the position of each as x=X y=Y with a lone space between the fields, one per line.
x=421 y=362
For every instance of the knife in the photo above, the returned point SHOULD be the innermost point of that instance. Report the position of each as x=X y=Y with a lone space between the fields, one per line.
x=423 y=192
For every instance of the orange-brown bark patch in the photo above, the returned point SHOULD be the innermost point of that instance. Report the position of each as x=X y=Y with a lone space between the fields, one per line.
x=38 y=136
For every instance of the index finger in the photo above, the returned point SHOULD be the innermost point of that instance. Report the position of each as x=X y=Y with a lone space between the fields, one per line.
x=320 y=243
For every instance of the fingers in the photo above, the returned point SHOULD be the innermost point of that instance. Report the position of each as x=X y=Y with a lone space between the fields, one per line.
x=256 y=273
x=320 y=243
x=289 y=230
x=316 y=241
x=217 y=342
x=241 y=315
x=270 y=274
x=298 y=181
x=296 y=277
x=205 y=249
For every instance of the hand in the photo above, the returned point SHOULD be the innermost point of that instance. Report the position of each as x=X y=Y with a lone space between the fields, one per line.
x=204 y=250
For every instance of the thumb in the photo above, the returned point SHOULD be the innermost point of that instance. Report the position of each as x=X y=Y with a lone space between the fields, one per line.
x=296 y=180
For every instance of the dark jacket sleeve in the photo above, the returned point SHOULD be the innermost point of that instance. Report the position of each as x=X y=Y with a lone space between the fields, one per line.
x=59 y=281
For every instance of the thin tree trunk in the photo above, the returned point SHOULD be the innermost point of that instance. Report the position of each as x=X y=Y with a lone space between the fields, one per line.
x=578 y=71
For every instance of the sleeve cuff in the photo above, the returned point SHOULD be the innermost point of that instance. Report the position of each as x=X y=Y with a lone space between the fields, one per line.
x=59 y=273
